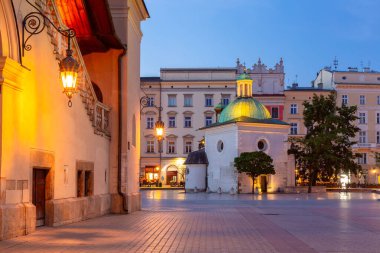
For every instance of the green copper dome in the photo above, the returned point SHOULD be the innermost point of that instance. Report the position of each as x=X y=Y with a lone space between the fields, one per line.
x=244 y=107
x=244 y=76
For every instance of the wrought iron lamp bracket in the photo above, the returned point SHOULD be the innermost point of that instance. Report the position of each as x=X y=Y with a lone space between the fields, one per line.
x=144 y=103
x=35 y=22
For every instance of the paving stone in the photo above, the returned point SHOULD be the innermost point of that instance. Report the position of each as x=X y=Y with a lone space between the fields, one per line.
x=172 y=221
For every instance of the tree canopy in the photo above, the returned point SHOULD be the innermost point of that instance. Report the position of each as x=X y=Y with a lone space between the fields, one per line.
x=254 y=164
x=326 y=149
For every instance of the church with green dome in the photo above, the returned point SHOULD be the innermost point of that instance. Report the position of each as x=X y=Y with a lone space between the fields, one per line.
x=244 y=108
x=245 y=125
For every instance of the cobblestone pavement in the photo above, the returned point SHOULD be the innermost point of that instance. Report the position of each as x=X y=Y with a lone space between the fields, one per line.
x=172 y=221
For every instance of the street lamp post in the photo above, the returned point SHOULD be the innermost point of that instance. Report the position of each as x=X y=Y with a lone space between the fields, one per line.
x=159 y=126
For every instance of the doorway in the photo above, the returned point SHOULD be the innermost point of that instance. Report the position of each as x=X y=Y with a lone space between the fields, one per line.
x=39 y=195
x=263 y=184
x=171 y=177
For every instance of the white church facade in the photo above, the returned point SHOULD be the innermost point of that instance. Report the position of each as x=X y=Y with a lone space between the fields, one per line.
x=245 y=125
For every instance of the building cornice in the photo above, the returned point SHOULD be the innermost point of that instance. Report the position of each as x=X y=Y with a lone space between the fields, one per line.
x=11 y=73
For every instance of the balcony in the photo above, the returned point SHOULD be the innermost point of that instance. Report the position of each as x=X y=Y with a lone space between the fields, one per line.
x=365 y=145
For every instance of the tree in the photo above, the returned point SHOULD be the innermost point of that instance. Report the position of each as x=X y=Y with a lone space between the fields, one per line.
x=254 y=164
x=326 y=149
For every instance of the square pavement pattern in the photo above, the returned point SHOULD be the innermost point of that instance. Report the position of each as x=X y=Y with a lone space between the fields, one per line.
x=172 y=221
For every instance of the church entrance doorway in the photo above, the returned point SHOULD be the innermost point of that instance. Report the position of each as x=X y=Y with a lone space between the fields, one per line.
x=39 y=194
x=172 y=175
x=263 y=184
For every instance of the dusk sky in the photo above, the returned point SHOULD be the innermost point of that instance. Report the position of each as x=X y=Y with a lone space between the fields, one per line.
x=307 y=34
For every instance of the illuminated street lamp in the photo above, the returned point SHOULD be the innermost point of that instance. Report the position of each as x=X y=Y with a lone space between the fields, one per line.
x=159 y=127
x=34 y=23
x=69 y=72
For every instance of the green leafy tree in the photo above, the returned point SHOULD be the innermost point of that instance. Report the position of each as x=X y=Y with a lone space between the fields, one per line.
x=326 y=149
x=254 y=164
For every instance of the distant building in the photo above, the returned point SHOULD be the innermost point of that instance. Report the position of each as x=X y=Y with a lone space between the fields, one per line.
x=245 y=125
x=189 y=97
x=360 y=88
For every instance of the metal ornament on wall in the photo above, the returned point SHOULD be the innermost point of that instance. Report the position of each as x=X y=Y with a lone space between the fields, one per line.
x=33 y=24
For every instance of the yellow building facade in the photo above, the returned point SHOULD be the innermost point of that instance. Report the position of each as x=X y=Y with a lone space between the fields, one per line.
x=61 y=164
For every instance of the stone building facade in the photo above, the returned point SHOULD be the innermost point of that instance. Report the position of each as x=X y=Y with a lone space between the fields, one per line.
x=61 y=164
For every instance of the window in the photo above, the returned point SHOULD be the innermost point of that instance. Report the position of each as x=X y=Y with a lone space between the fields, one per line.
x=378 y=118
x=362 y=159
x=362 y=100
x=362 y=118
x=220 y=146
x=172 y=100
x=150 y=101
x=187 y=121
x=293 y=128
x=188 y=146
x=225 y=99
x=275 y=112
x=150 y=146
x=188 y=100
x=208 y=120
x=209 y=100
x=262 y=145
x=171 y=147
x=362 y=137
x=378 y=100
x=85 y=182
x=293 y=109
x=344 y=99
x=149 y=122
x=171 y=121
x=378 y=137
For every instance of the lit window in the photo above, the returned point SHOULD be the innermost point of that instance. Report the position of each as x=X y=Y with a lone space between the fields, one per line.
x=362 y=118
x=344 y=99
x=150 y=146
x=187 y=121
x=188 y=147
x=188 y=100
x=293 y=109
x=362 y=137
x=275 y=112
x=208 y=120
x=171 y=121
x=293 y=128
x=209 y=100
x=172 y=100
x=362 y=159
x=149 y=122
x=362 y=100
x=171 y=147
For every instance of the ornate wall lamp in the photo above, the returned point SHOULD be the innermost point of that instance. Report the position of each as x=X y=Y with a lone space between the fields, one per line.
x=34 y=23
x=159 y=126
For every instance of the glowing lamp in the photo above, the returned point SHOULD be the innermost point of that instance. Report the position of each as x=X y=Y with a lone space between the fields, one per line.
x=68 y=68
x=159 y=127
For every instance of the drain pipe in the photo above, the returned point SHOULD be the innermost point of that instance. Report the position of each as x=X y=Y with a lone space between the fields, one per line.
x=119 y=130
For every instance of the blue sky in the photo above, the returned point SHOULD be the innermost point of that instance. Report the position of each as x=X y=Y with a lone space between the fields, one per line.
x=308 y=34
